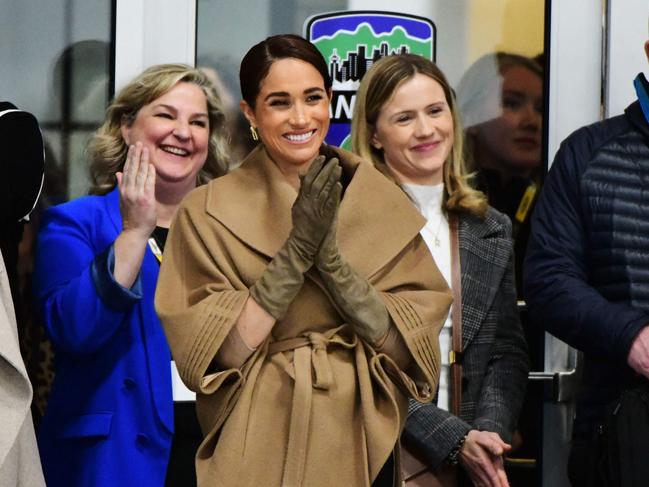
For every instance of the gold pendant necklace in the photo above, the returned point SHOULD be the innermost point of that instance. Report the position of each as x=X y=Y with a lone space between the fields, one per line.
x=436 y=239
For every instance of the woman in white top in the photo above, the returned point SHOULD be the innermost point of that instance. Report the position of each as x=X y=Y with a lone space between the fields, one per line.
x=405 y=121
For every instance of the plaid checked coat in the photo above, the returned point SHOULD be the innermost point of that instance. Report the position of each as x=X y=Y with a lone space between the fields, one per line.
x=495 y=363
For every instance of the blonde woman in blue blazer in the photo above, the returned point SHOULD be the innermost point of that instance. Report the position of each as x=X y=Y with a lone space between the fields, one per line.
x=110 y=417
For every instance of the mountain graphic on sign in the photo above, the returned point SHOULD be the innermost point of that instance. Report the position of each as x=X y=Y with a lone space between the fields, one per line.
x=348 y=41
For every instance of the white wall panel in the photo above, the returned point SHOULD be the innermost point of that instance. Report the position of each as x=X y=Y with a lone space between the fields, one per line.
x=627 y=35
x=575 y=68
x=151 y=32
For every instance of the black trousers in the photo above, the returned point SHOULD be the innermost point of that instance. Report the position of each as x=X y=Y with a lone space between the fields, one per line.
x=181 y=471
x=582 y=459
x=386 y=475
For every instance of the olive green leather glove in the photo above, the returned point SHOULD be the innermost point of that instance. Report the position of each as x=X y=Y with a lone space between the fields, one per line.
x=312 y=213
x=356 y=299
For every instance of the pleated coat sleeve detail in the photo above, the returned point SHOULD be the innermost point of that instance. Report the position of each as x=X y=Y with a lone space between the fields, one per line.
x=197 y=319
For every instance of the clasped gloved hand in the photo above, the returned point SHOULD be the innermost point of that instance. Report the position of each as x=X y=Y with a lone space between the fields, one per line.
x=312 y=214
x=356 y=299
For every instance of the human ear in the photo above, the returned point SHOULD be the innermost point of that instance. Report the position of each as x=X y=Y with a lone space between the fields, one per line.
x=249 y=113
x=125 y=129
x=375 y=142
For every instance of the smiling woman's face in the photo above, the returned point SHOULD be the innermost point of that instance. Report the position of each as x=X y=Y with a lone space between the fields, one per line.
x=415 y=131
x=291 y=113
x=175 y=128
x=511 y=142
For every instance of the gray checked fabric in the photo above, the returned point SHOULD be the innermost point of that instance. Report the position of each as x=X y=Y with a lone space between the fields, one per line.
x=495 y=361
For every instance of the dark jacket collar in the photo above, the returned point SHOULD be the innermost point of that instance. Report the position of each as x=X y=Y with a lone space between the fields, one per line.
x=638 y=111
x=635 y=116
x=641 y=86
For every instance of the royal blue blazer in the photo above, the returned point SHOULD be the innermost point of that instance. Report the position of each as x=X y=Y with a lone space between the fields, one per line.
x=109 y=420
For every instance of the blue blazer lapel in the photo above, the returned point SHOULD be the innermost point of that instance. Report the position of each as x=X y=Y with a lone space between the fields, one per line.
x=484 y=256
x=155 y=343
x=112 y=207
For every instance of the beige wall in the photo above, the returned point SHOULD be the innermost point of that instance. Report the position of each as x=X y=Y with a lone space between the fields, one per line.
x=506 y=25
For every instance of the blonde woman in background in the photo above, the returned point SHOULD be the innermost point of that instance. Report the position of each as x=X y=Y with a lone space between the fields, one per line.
x=500 y=99
x=405 y=121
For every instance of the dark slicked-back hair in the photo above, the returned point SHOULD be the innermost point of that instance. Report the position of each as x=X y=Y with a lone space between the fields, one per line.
x=258 y=60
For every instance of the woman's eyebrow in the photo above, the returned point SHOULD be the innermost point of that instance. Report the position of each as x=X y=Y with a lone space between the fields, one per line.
x=286 y=94
x=276 y=93
x=313 y=90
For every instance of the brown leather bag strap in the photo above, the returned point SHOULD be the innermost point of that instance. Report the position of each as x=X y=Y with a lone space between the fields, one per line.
x=455 y=358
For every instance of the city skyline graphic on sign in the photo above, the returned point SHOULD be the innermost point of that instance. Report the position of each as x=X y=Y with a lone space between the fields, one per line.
x=351 y=42
x=347 y=74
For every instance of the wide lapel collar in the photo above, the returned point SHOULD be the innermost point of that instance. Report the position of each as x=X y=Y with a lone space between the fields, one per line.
x=376 y=219
x=254 y=203
x=484 y=256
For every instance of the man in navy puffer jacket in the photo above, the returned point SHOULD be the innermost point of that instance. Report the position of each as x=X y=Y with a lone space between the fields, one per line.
x=587 y=264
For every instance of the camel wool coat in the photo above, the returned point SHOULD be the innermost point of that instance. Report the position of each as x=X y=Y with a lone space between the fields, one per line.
x=20 y=464
x=314 y=405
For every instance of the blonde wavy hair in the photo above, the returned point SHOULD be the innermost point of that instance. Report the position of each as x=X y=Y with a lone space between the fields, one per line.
x=107 y=149
x=377 y=87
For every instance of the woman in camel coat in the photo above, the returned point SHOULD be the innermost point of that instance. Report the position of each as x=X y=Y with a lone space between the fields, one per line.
x=308 y=397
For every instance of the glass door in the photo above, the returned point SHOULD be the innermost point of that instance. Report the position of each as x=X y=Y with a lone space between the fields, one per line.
x=56 y=59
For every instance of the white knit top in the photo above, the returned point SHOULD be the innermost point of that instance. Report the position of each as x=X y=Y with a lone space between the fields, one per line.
x=436 y=234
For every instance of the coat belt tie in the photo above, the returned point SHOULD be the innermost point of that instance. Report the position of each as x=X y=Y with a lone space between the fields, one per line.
x=310 y=359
